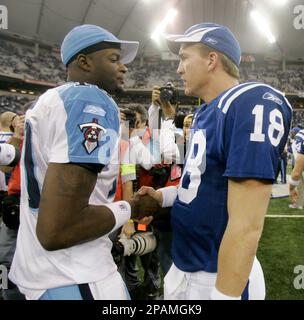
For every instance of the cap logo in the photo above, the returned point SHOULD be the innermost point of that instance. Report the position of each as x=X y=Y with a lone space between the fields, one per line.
x=211 y=41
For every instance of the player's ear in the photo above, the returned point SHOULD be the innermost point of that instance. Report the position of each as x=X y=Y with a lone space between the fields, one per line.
x=212 y=60
x=84 y=62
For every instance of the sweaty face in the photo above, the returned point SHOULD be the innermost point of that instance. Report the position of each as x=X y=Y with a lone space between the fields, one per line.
x=107 y=69
x=193 y=69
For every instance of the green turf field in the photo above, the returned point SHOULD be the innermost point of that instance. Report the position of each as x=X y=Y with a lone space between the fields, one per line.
x=281 y=249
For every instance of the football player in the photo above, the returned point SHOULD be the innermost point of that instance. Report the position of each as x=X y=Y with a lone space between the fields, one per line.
x=69 y=165
x=237 y=136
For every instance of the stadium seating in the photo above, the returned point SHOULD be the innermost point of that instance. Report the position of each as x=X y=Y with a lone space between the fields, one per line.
x=19 y=59
x=13 y=103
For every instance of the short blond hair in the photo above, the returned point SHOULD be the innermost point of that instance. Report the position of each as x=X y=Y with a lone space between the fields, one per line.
x=228 y=65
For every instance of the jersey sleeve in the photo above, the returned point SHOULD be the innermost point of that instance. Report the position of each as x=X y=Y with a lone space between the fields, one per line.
x=256 y=129
x=299 y=142
x=87 y=127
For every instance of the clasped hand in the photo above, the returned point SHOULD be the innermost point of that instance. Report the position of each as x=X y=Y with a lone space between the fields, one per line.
x=145 y=203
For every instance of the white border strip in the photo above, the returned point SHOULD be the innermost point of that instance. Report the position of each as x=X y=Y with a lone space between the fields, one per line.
x=284 y=216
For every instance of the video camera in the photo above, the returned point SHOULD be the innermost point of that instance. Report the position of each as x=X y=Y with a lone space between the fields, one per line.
x=139 y=244
x=169 y=93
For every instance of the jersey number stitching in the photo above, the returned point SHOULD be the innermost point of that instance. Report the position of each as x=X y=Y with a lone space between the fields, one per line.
x=274 y=126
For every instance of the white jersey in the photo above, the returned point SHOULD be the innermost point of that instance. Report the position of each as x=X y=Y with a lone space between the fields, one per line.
x=75 y=123
x=4 y=137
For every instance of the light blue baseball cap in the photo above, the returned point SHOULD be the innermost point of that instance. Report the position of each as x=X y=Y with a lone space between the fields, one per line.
x=212 y=35
x=84 y=36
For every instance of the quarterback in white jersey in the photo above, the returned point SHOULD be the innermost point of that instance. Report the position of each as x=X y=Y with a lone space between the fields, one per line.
x=72 y=134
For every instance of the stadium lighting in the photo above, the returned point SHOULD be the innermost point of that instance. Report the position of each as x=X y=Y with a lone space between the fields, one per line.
x=159 y=30
x=262 y=25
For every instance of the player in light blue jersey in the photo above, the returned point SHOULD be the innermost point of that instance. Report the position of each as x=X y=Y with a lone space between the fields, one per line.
x=69 y=166
x=237 y=136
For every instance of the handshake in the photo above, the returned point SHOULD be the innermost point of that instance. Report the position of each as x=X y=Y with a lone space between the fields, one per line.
x=146 y=202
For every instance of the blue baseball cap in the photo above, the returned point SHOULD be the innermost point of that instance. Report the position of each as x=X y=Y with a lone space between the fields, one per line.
x=84 y=36
x=212 y=35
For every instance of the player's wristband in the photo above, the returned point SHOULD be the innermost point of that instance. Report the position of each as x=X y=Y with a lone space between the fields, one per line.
x=294 y=183
x=121 y=211
x=169 y=196
x=217 y=295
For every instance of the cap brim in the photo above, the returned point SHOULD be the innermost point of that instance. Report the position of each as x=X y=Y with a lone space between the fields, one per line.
x=174 y=41
x=128 y=50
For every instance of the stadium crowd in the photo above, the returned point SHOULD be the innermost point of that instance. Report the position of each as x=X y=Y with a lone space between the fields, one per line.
x=21 y=60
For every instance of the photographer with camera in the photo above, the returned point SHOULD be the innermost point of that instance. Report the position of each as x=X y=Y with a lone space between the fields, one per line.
x=164 y=102
x=136 y=237
x=165 y=171
x=162 y=115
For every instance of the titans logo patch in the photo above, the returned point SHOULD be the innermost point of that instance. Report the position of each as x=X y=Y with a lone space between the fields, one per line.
x=92 y=133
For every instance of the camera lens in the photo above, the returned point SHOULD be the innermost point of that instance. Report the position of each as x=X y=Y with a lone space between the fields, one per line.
x=144 y=243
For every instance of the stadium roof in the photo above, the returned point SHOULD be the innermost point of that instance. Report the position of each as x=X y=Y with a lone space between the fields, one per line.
x=50 y=20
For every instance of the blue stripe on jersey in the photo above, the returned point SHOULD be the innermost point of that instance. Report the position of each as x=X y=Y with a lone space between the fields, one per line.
x=31 y=181
x=85 y=106
x=112 y=192
x=62 y=293
x=245 y=294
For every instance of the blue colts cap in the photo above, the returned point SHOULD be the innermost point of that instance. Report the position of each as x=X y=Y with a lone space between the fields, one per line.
x=212 y=35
